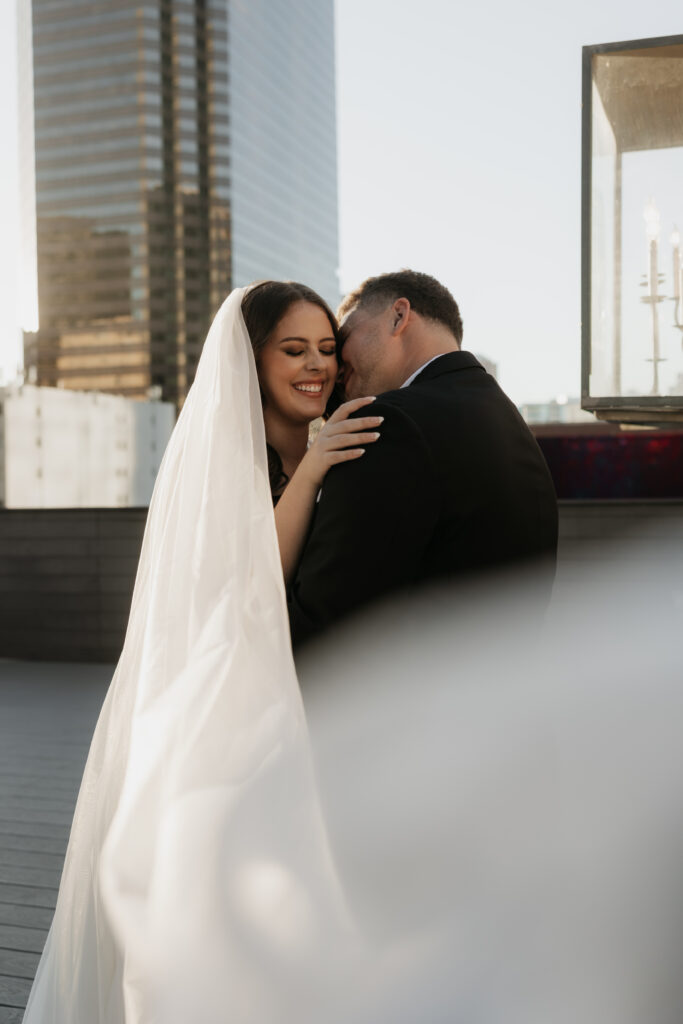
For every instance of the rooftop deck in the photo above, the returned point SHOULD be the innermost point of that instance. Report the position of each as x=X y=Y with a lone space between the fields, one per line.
x=47 y=715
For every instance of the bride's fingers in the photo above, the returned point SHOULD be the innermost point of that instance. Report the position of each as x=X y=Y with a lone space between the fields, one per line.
x=342 y=441
x=345 y=455
x=347 y=408
x=357 y=423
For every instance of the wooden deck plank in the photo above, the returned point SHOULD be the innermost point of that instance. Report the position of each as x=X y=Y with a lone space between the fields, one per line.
x=19 y=965
x=37 y=779
x=30 y=858
x=26 y=917
x=41 y=878
x=24 y=940
x=57 y=804
x=47 y=716
x=29 y=815
x=11 y=1015
x=27 y=896
x=33 y=844
x=21 y=785
x=14 y=991
x=34 y=830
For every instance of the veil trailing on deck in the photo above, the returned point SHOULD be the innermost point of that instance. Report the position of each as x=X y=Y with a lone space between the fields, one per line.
x=197 y=824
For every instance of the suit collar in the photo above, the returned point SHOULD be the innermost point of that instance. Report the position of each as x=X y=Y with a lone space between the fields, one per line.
x=447 y=363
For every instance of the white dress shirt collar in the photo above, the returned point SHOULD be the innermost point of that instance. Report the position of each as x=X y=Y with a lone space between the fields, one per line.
x=419 y=370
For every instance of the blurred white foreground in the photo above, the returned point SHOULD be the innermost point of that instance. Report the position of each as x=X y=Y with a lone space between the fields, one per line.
x=505 y=812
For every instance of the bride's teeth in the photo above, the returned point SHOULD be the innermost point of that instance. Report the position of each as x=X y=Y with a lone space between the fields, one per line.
x=313 y=388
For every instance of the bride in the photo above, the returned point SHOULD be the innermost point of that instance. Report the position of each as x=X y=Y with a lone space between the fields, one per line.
x=294 y=337
x=197 y=825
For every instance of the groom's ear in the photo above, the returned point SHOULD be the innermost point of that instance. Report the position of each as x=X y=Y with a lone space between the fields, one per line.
x=400 y=314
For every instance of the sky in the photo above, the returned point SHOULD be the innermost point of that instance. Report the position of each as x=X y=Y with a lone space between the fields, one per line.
x=459 y=130
x=10 y=351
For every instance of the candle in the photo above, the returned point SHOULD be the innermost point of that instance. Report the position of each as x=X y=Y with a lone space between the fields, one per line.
x=676 y=243
x=652 y=221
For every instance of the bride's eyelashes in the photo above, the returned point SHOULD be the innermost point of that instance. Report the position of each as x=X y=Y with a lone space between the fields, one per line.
x=301 y=352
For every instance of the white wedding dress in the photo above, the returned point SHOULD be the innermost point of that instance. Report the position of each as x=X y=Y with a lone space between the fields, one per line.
x=197 y=828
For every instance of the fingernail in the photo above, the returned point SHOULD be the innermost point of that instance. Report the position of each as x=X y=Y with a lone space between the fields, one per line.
x=375 y=436
x=380 y=419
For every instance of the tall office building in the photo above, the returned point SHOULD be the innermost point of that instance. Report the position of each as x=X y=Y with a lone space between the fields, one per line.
x=157 y=124
x=132 y=205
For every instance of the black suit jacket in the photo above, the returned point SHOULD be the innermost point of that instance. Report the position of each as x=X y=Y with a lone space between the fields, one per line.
x=455 y=483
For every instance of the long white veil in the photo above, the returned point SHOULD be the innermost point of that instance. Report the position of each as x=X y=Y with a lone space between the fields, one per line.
x=197 y=825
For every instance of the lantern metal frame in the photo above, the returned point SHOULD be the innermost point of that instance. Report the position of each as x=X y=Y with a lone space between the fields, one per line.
x=654 y=409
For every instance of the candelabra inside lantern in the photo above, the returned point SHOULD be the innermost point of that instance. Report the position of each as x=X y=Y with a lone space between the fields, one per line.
x=677 y=278
x=633 y=172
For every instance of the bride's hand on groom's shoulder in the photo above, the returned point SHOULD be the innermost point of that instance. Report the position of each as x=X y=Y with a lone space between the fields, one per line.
x=339 y=439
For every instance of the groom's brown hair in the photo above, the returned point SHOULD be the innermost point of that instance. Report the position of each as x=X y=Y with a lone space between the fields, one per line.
x=426 y=295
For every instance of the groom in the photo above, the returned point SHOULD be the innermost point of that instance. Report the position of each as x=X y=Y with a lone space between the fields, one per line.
x=456 y=482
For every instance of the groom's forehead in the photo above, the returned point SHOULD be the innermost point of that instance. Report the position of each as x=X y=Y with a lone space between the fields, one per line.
x=358 y=314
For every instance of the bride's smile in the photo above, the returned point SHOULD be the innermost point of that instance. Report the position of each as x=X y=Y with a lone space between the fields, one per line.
x=309 y=388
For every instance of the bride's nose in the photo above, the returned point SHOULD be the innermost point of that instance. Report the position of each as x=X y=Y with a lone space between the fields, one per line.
x=315 y=360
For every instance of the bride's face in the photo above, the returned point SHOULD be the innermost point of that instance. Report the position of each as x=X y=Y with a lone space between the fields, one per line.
x=297 y=366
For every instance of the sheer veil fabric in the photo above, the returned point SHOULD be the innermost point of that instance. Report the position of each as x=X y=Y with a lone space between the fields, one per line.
x=197 y=873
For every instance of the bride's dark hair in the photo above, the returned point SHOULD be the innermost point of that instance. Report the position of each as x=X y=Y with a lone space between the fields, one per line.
x=263 y=306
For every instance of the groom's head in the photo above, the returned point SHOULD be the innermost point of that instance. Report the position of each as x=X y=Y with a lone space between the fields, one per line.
x=392 y=324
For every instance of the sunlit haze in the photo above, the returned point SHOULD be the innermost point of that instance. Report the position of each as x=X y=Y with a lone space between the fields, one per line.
x=459 y=154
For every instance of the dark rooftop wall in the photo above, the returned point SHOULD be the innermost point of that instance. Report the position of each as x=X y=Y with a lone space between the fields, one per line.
x=66 y=576
x=66 y=581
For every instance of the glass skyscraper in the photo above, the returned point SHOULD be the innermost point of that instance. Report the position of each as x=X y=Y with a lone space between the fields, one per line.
x=283 y=142
x=181 y=147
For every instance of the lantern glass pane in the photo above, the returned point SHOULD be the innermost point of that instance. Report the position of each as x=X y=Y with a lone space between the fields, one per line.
x=637 y=223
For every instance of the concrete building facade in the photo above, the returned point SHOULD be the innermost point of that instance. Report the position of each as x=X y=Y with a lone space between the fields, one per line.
x=62 y=449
